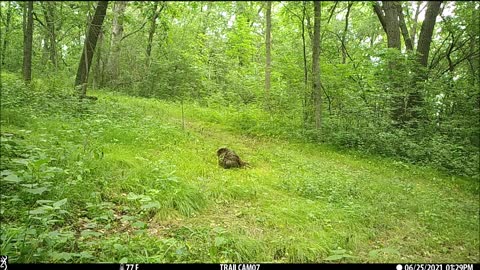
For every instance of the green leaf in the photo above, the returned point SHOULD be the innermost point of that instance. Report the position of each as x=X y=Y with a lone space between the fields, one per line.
x=60 y=203
x=140 y=225
x=220 y=241
x=124 y=260
x=85 y=254
x=52 y=221
x=21 y=161
x=128 y=218
x=151 y=205
x=6 y=172
x=12 y=178
x=39 y=190
x=61 y=256
x=87 y=233
x=335 y=257
x=133 y=196
x=40 y=210
x=38 y=163
x=29 y=185
x=43 y=201
x=339 y=251
x=373 y=253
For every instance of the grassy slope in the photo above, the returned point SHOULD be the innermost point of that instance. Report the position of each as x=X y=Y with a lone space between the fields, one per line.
x=156 y=194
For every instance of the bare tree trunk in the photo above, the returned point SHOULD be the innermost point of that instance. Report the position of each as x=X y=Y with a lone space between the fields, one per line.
x=49 y=14
x=344 y=35
x=151 y=32
x=415 y=22
x=403 y=27
x=98 y=68
x=387 y=14
x=474 y=63
x=89 y=46
x=7 y=32
x=425 y=38
x=27 y=41
x=117 y=34
x=393 y=31
x=317 y=95
x=268 y=59
x=305 y=68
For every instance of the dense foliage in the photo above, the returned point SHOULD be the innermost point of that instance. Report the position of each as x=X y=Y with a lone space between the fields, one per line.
x=214 y=53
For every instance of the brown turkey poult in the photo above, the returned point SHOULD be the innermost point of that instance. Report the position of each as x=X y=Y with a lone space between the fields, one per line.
x=229 y=159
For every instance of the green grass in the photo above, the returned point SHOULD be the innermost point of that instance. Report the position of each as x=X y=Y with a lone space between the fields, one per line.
x=140 y=188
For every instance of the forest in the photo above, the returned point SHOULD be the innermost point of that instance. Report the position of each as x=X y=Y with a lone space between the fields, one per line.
x=357 y=125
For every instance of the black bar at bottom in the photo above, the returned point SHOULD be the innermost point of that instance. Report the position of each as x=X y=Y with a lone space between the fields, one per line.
x=250 y=266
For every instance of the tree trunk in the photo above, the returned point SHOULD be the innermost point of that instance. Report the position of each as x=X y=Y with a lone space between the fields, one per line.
x=415 y=22
x=7 y=32
x=388 y=16
x=425 y=38
x=474 y=63
x=117 y=34
x=98 y=68
x=27 y=41
x=49 y=14
x=268 y=60
x=403 y=27
x=392 y=24
x=89 y=46
x=317 y=96
x=344 y=35
x=415 y=99
x=306 y=103
x=151 y=32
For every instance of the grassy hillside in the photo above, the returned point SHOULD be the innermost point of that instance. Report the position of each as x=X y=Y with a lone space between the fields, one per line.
x=119 y=179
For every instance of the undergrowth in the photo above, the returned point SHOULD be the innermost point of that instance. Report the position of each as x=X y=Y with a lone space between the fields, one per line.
x=120 y=180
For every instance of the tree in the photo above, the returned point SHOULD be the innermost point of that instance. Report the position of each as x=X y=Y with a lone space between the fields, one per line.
x=99 y=74
x=415 y=100
x=27 y=40
x=414 y=25
x=117 y=34
x=151 y=32
x=268 y=46
x=388 y=16
x=49 y=14
x=344 y=35
x=7 y=32
x=49 y=41
x=89 y=46
x=317 y=97
x=305 y=66
x=403 y=27
x=425 y=38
